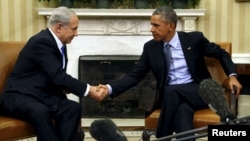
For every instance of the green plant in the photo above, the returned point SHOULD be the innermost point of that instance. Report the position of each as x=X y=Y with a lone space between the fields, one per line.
x=194 y=3
x=190 y=3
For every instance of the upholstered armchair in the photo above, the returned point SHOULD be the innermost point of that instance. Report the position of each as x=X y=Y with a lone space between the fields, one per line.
x=10 y=128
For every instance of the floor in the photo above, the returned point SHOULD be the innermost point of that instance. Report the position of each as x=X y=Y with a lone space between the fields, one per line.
x=139 y=139
x=135 y=137
x=132 y=128
x=131 y=136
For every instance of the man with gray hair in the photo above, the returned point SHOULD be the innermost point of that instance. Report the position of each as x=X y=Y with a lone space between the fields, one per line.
x=37 y=86
x=176 y=59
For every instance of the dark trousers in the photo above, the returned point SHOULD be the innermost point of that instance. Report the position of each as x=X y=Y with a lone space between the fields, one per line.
x=179 y=103
x=59 y=122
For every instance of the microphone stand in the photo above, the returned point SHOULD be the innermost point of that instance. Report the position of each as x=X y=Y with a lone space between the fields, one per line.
x=182 y=134
x=238 y=121
x=193 y=137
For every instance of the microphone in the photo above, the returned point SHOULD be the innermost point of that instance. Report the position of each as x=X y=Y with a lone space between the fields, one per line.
x=213 y=94
x=106 y=130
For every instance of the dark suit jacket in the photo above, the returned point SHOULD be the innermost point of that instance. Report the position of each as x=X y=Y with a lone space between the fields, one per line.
x=195 y=46
x=38 y=71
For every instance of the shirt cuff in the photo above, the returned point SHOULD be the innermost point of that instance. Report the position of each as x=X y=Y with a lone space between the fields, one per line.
x=110 y=88
x=87 y=90
x=233 y=74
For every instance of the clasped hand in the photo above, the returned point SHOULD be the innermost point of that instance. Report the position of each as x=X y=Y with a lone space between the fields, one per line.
x=98 y=92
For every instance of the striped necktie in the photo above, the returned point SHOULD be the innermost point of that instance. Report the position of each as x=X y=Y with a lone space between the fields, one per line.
x=168 y=57
x=63 y=54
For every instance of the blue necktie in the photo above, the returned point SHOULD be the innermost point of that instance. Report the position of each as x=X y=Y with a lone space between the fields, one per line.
x=63 y=55
x=168 y=56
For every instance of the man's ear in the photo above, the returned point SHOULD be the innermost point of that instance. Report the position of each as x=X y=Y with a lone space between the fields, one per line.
x=58 y=27
x=173 y=26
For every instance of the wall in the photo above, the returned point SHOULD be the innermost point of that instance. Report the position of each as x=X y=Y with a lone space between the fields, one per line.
x=225 y=20
x=19 y=20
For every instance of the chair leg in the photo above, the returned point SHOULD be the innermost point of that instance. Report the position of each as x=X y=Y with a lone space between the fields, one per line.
x=146 y=134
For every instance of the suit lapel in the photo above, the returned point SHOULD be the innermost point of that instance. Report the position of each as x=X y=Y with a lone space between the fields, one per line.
x=160 y=61
x=188 y=49
x=56 y=48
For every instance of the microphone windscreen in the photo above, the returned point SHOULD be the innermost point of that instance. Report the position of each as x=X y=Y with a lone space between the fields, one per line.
x=106 y=130
x=214 y=95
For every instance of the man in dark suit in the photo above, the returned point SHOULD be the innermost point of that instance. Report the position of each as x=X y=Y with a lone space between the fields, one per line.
x=178 y=81
x=36 y=88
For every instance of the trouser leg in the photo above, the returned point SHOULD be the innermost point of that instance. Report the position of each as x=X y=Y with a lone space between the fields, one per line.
x=179 y=101
x=67 y=119
x=31 y=110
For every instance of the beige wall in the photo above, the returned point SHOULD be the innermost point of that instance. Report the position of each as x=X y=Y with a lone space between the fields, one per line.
x=19 y=20
x=225 y=20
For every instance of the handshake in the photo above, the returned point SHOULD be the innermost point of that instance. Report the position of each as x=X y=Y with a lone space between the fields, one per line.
x=98 y=92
